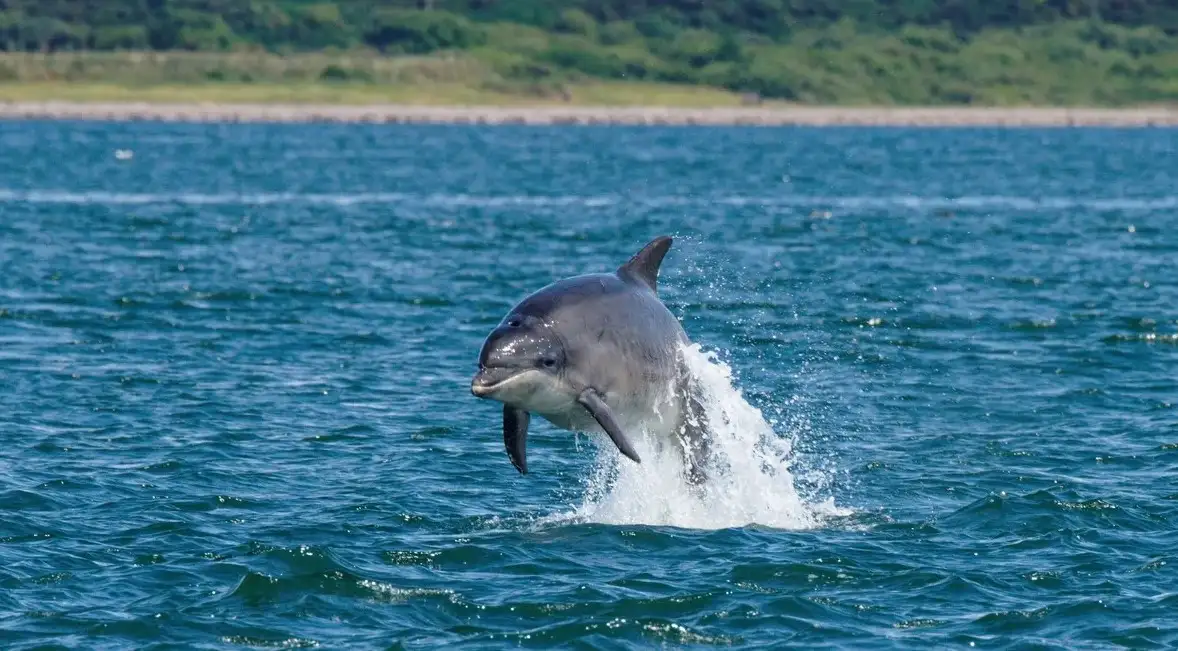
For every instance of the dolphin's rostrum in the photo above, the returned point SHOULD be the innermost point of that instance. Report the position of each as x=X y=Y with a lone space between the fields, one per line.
x=596 y=353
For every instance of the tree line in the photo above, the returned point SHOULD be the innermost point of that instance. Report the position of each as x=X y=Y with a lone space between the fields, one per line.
x=414 y=25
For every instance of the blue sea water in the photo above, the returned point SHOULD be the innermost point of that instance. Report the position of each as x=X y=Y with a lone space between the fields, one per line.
x=235 y=407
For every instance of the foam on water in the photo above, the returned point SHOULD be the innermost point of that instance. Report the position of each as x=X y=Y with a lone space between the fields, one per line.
x=750 y=479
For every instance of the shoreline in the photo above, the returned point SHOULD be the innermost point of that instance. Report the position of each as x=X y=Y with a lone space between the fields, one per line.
x=619 y=115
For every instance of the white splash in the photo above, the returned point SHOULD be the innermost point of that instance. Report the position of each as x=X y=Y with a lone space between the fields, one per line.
x=750 y=482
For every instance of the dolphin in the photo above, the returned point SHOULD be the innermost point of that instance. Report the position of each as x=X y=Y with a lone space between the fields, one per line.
x=597 y=352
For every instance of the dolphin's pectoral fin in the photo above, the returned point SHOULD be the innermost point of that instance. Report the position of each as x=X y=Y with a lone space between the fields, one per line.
x=515 y=437
x=591 y=401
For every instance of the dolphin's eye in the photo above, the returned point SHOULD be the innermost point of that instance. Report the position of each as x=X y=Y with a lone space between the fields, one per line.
x=548 y=362
x=515 y=322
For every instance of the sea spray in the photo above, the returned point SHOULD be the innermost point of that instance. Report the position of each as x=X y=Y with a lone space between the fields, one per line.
x=750 y=479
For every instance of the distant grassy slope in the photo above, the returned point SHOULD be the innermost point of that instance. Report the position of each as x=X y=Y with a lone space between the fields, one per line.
x=591 y=94
x=906 y=52
x=317 y=78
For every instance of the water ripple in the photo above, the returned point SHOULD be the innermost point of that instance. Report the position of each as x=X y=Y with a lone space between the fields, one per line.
x=236 y=400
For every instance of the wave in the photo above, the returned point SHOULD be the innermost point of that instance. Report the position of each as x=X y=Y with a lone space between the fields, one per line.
x=347 y=199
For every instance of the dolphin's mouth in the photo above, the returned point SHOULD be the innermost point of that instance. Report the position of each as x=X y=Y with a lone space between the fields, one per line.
x=490 y=379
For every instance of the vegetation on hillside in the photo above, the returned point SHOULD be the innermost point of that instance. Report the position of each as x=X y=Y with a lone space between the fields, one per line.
x=845 y=51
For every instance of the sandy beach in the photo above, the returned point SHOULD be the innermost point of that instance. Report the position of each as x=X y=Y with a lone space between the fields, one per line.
x=757 y=116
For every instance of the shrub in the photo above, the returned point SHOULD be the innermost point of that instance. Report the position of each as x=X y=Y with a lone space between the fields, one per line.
x=121 y=37
x=420 y=32
x=575 y=21
x=618 y=32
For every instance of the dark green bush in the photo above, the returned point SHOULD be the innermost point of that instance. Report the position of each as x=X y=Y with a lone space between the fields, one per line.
x=123 y=37
x=420 y=32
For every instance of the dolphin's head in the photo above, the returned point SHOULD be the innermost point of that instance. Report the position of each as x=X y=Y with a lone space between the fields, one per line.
x=522 y=364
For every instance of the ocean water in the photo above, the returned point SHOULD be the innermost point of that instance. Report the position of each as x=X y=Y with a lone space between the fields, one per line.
x=235 y=407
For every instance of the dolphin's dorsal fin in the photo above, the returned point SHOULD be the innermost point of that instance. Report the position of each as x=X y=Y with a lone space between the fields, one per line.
x=644 y=266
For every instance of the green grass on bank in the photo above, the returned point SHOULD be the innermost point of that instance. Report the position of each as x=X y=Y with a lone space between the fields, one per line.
x=351 y=79
x=1075 y=63
x=423 y=94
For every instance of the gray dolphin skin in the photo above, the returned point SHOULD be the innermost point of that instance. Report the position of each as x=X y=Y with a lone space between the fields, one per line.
x=596 y=353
